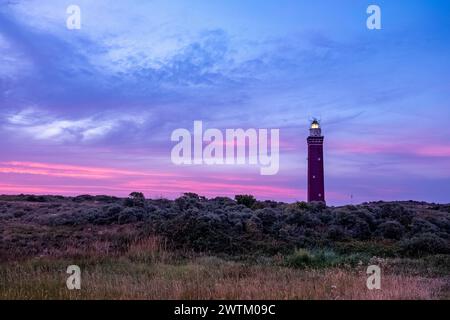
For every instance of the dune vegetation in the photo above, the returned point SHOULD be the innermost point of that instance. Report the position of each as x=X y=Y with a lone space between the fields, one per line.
x=221 y=248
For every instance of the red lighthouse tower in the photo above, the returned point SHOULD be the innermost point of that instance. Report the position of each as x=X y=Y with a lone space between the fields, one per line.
x=316 y=185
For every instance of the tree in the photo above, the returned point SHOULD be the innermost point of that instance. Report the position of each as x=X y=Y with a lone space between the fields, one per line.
x=245 y=199
x=136 y=199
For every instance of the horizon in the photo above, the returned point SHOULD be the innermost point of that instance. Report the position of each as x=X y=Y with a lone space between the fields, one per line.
x=212 y=198
x=91 y=111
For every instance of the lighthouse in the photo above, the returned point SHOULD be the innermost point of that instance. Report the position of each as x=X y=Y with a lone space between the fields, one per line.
x=316 y=184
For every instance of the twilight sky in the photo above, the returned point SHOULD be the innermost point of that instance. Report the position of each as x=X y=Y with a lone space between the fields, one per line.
x=92 y=110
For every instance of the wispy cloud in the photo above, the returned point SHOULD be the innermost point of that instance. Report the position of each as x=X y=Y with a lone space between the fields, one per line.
x=112 y=92
x=37 y=125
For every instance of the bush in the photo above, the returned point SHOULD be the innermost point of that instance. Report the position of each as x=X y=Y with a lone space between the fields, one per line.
x=82 y=198
x=397 y=212
x=188 y=201
x=302 y=258
x=130 y=215
x=440 y=221
x=19 y=213
x=308 y=220
x=391 y=230
x=128 y=202
x=194 y=196
x=109 y=215
x=420 y=225
x=301 y=205
x=424 y=244
x=246 y=226
x=370 y=248
x=361 y=230
x=316 y=206
x=246 y=200
x=33 y=198
x=354 y=225
x=337 y=233
x=136 y=199
x=268 y=217
x=113 y=210
x=265 y=204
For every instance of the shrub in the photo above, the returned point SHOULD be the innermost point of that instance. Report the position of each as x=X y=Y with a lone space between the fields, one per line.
x=268 y=217
x=106 y=199
x=188 y=201
x=225 y=226
x=128 y=202
x=265 y=204
x=361 y=230
x=194 y=196
x=303 y=258
x=326 y=217
x=307 y=220
x=302 y=205
x=222 y=202
x=113 y=210
x=368 y=217
x=253 y=225
x=391 y=230
x=355 y=226
x=19 y=213
x=137 y=195
x=371 y=248
x=424 y=244
x=33 y=198
x=246 y=200
x=397 y=212
x=130 y=215
x=337 y=233
x=316 y=206
x=109 y=214
x=440 y=221
x=420 y=225
x=438 y=263
x=82 y=198
x=136 y=199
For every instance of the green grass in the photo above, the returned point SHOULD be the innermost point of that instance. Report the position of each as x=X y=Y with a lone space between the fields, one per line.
x=324 y=258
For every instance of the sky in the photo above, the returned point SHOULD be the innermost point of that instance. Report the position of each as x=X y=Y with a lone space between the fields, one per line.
x=91 y=111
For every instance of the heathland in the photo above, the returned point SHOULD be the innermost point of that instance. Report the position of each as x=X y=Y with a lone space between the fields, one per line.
x=222 y=248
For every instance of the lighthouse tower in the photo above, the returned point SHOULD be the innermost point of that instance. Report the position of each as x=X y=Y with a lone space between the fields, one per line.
x=316 y=185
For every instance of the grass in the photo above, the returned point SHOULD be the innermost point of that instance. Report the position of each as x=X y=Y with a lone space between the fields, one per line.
x=147 y=270
x=326 y=258
x=205 y=278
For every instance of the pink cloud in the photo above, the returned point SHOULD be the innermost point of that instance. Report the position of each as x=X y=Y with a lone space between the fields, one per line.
x=434 y=151
x=73 y=180
x=62 y=170
x=377 y=148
